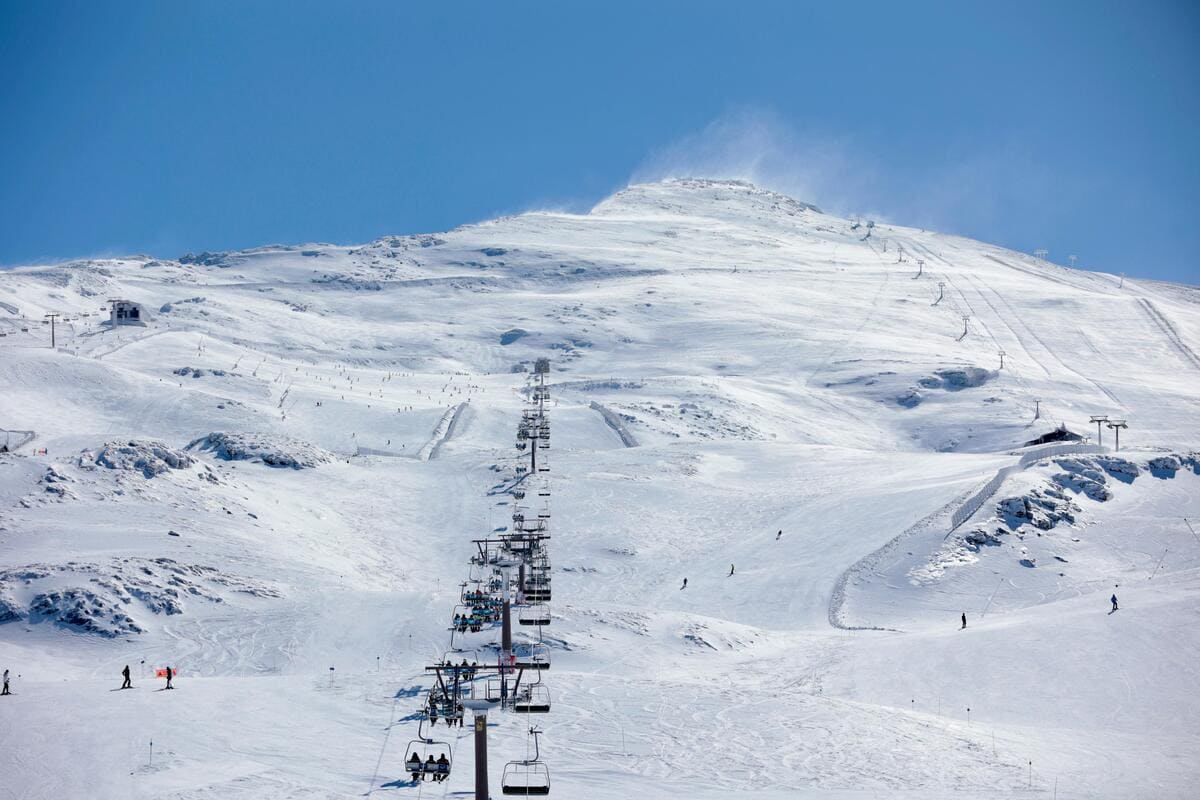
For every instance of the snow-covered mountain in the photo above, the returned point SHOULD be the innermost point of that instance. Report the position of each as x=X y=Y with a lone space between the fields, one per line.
x=279 y=469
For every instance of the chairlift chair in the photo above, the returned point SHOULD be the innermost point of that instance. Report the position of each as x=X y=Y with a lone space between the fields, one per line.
x=538 y=614
x=530 y=777
x=533 y=656
x=427 y=758
x=533 y=699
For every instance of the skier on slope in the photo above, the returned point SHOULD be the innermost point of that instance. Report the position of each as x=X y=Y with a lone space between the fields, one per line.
x=5 y=689
x=778 y=536
x=730 y=571
x=170 y=674
x=964 y=620
x=1114 y=601
x=126 y=684
x=681 y=588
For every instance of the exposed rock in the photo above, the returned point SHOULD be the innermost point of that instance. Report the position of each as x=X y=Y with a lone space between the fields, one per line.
x=981 y=537
x=1119 y=467
x=197 y=372
x=108 y=599
x=1164 y=466
x=148 y=457
x=83 y=610
x=265 y=448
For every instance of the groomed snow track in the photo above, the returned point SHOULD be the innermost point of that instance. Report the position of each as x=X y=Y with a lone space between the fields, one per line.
x=1168 y=330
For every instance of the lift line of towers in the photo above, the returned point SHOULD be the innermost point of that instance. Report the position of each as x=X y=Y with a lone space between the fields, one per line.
x=509 y=576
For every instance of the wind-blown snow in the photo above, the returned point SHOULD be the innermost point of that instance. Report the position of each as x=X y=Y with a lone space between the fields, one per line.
x=727 y=363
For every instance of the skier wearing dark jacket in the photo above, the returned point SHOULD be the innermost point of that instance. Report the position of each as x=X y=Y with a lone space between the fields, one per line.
x=125 y=673
x=1114 y=601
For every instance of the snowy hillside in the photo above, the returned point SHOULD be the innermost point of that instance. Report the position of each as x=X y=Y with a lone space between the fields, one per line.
x=271 y=482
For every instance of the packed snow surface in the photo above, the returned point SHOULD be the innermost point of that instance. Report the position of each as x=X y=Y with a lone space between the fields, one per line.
x=272 y=486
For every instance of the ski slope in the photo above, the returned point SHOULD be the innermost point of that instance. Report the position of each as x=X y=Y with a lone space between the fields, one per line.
x=727 y=363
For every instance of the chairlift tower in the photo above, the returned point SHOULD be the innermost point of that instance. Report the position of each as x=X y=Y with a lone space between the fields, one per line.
x=1115 y=425
x=539 y=429
x=941 y=292
x=1099 y=420
x=1002 y=354
x=1072 y=259
x=1041 y=253
x=966 y=327
x=1037 y=408
x=920 y=268
x=52 y=318
x=480 y=708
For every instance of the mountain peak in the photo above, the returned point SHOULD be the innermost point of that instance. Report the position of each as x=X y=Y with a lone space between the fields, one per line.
x=698 y=197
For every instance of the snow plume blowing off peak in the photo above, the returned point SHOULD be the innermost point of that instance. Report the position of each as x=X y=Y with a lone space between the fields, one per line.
x=755 y=146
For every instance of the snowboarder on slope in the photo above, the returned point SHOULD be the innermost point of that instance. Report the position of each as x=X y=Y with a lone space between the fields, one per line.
x=964 y=620
x=730 y=570
x=126 y=684
x=1114 y=601
x=170 y=674
x=681 y=588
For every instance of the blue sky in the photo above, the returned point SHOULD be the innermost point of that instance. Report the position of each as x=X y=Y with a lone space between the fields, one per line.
x=169 y=127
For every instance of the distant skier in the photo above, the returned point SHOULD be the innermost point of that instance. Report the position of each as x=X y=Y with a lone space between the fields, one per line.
x=5 y=689
x=170 y=674
x=1114 y=601
x=125 y=673
x=964 y=620
x=778 y=536
x=730 y=571
x=681 y=588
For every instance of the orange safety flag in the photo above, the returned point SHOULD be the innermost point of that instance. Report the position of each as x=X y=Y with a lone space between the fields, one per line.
x=162 y=673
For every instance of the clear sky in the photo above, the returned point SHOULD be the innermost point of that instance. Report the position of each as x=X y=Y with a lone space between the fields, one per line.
x=164 y=127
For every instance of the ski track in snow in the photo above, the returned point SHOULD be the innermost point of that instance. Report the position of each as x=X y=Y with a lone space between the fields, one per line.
x=1169 y=331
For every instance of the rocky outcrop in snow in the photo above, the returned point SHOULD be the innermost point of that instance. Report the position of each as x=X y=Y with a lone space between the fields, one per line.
x=148 y=457
x=264 y=448
x=116 y=599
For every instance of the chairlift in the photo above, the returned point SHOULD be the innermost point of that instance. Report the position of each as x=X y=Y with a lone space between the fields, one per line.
x=427 y=758
x=535 y=615
x=533 y=656
x=529 y=777
x=533 y=699
x=466 y=670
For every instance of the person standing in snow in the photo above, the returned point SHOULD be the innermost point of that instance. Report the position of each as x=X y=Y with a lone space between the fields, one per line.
x=681 y=588
x=730 y=571
x=126 y=684
x=170 y=674
x=5 y=689
x=1114 y=601
x=964 y=620
x=778 y=536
